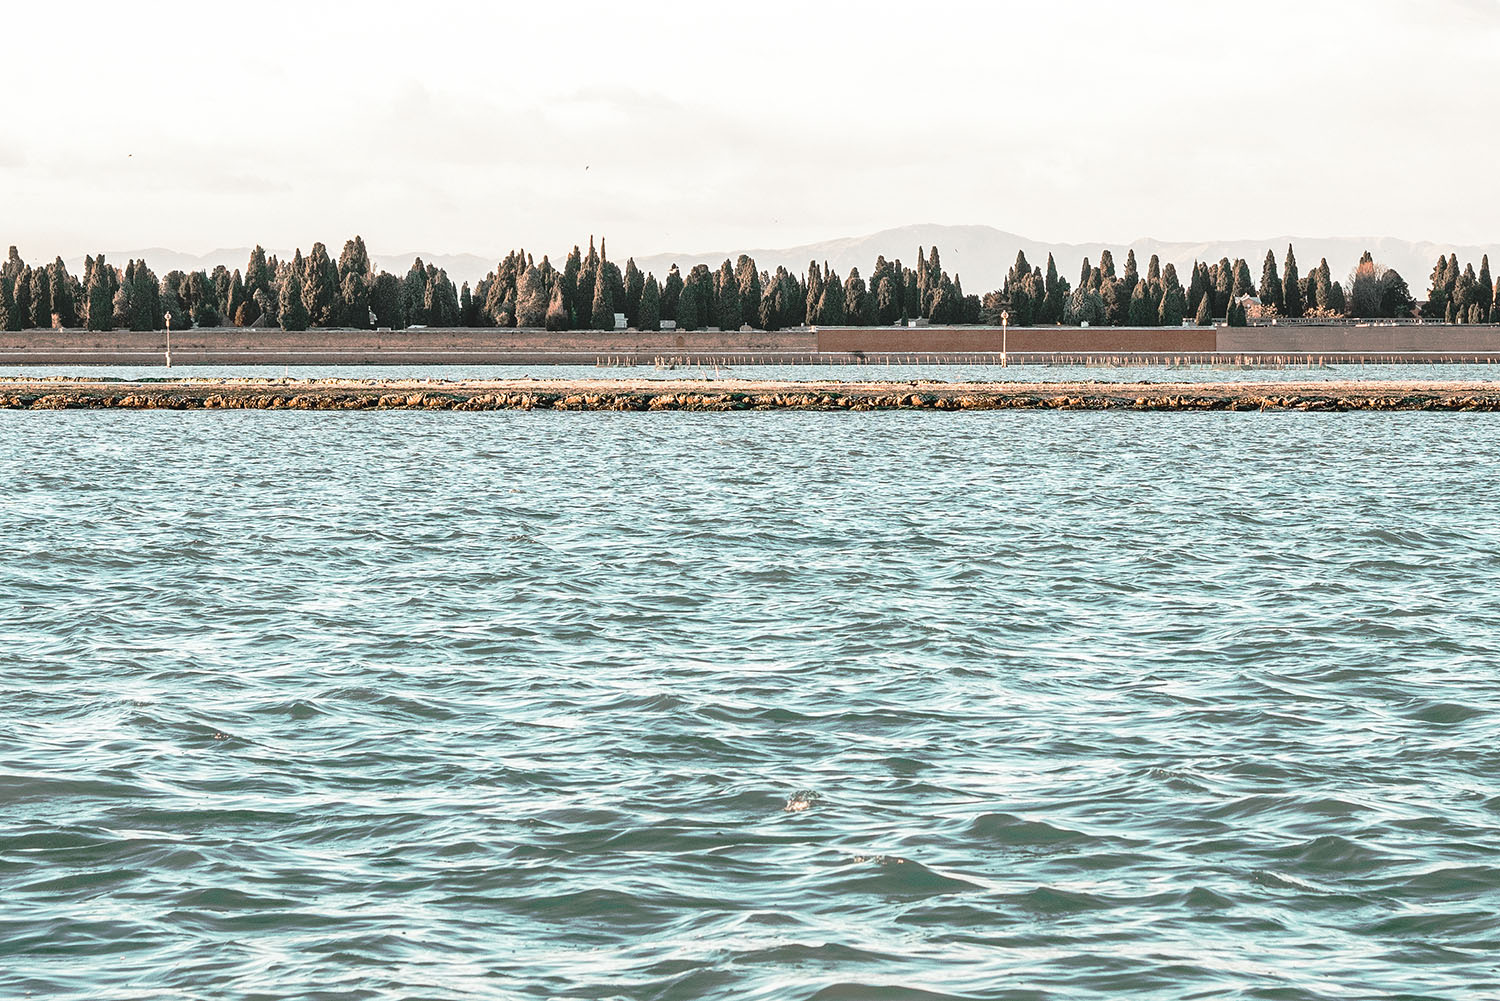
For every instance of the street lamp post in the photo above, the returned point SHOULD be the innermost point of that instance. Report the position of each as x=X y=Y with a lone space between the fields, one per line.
x=169 y=340
x=1004 y=338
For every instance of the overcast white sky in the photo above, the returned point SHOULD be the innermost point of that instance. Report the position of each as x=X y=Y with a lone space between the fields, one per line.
x=451 y=126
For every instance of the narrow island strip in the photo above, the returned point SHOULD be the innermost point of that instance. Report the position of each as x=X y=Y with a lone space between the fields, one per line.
x=738 y=395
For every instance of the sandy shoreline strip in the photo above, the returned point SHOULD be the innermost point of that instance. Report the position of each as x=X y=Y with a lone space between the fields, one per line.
x=735 y=395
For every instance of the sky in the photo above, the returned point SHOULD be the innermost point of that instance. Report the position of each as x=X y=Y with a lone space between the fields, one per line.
x=453 y=127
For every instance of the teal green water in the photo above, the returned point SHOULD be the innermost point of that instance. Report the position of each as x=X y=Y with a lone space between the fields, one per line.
x=791 y=373
x=749 y=706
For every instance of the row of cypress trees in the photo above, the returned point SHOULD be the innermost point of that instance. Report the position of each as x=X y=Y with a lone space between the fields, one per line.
x=589 y=290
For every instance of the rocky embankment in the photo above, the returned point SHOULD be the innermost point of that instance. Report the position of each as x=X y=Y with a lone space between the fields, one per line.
x=642 y=395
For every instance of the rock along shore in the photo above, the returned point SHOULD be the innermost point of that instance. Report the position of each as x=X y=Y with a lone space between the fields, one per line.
x=727 y=395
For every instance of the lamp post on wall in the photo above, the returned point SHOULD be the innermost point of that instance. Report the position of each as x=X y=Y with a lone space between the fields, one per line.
x=169 y=340
x=1004 y=337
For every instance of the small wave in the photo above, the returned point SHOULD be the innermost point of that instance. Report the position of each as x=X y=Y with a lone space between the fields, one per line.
x=1446 y=713
x=1012 y=831
x=892 y=876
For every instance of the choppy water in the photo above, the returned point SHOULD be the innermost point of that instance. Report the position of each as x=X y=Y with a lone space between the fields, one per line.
x=790 y=373
x=752 y=706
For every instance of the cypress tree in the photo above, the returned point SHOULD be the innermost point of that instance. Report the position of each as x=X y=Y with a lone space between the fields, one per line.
x=859 y=306
x=10 y=317
x=1205 y=316
x=385 y=301
x=1485 y=290
x=689 y=302
x=532 y=301
x=635 y=287
x=1270 y=284
x=671 y=290
x=203 y=305
x=41 y=299
x=1242 y=284
x=1293 y=304
x=1116 y=304
x=146 y=311
x=1106 y=266
x=1153 y=269
x=1322 y=288
x=99 y=296
x=727 y=315
x=355 y=260
x=831 y=311
x=557 y=309
x=1139 y=312
x=258 y=273
x=234 y=307
x=604 y=305
x=355 y=295
x=11 y=269
x=649 y=314
x=64 y=302
x=1132 y=273
x=701 y=281
x=887 y=301
x=1173 y=307
x=572 y=268
x=292 y=309
x=414 y=294
x=21 y=296
x=468 y=313
x=1223 y=285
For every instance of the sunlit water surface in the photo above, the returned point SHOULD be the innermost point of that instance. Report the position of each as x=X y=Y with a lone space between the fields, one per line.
x=749 y=706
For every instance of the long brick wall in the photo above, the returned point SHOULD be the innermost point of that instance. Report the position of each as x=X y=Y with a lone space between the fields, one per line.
x=231 y=345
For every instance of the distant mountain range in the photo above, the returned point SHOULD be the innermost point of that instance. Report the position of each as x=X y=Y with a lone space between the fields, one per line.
x=980 y=255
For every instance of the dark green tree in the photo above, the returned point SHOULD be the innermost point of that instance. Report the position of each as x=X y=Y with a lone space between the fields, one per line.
x=292 y=310
x=21 y=296
x=635 y=285
x=386 y=301
x=831 y=304
x=648 y=316
x=1293 y=304
x=1271 y=294
x=1132 y=274
x=355 y=295
x=604 y=305
x=41 y=299
x=355 y=260
x=727 y=314
x=532 y=301
x=1486 y=289
x=10 y=316
x=203 y=303
x=64 y=296
x=557 y=309
x=859 y=305
x=414 y=294
x=1205 y=315
x=1140 y=313
x=99 y=293
x=1173 y=307
x=671 y=290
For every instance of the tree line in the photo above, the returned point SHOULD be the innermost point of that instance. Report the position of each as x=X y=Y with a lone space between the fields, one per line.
x=589 y=290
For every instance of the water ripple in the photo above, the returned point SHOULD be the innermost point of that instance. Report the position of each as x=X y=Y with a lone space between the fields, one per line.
x=756 y=706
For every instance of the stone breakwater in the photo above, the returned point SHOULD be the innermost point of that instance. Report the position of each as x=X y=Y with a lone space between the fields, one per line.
x=726 y=395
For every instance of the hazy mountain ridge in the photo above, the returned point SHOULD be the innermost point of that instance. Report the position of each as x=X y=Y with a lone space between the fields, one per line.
x=980 y=255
